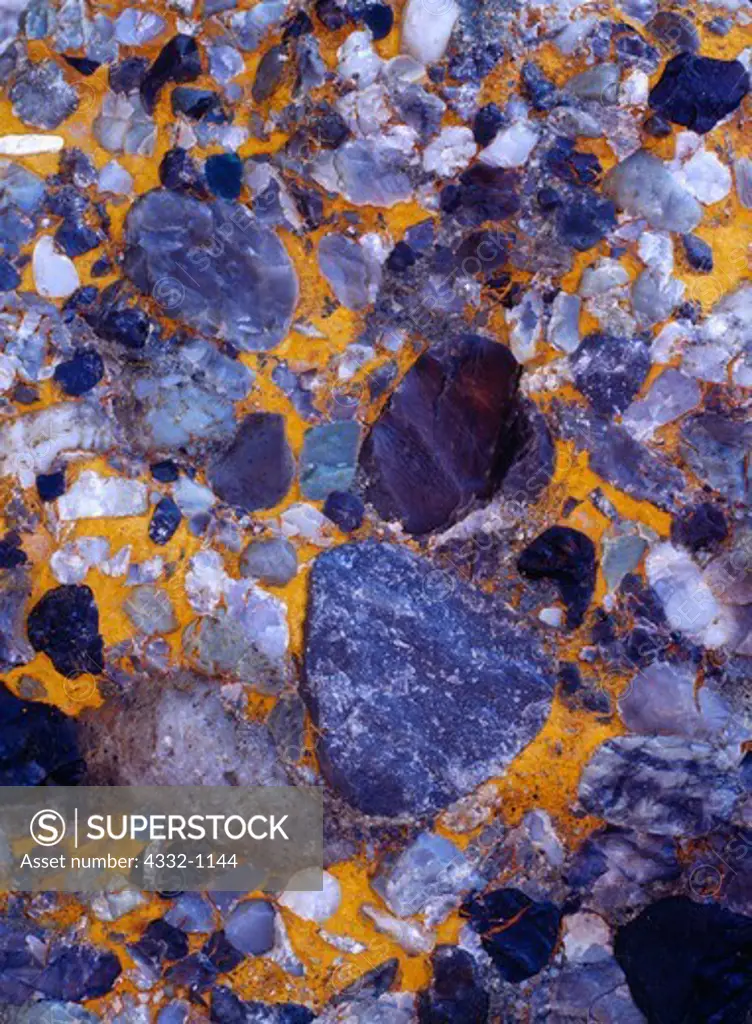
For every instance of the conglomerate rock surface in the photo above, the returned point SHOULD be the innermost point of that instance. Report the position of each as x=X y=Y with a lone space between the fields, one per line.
x=375 y=392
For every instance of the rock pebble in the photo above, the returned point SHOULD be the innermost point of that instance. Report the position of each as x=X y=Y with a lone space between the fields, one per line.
x=443 y=439
x=39 y=744
x=243 y=288
x=687 y=961
x=519 y=934
x=256 y=470
x=42 y=97
x=64 y=625
x=177 y=733
x=698 y=92
x=453 y=720
x=567 y=557
x=665 y=785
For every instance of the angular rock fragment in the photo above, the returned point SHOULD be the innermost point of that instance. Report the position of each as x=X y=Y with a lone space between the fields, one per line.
x=618 y=458
x=665 y=785
x=396 y=648
x=455 y=992
x=176 y=733
x=250 y=927
x=39 y=744
x=567 y=557
x=76 y=973
x=535 y=460
x=584 y=219
x=93 y=496
x=699 y=527
x=344 y=265
x=256 y=470
x=661 y=700
x=715 y=447
x=64 y=625
x=443 y=439
x=698 y=92
x=212 y=265
x=227 y=1008
x=671 y=396
x=610 y=371
x=328 y=459
x=150 y=610
x=15 y=589
x=426 y=32
x=271 y=561
x=483 y=193
x=430 y=870
x=686 y=960
x=643 y=186
x=178 y=61
x=519 y=934
x=42 y=97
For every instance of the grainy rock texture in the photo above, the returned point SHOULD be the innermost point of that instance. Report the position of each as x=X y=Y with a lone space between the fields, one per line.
x=175 y=733
x=421 y=686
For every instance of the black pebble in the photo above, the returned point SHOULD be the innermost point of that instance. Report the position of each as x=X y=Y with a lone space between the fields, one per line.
x=11 y=553
x=166 y=471
x=657 y=127
x=179 y=61
x=224 y=175
x=400 y=258
x=548 y=198
x=380 y=19
x=345 y=510
x=102 y=267
x=38 y=744
x=165 y=520
x=25 y=394
x=519 y=934
x=81 y=301
x=193 y=971
x=299 y=25
x=698 y=92
x=64 y=625
x=179 y=172
x=699 y=254
x=699 y=526
x=567 y=557
x=128 y=326
x=81 y=373
x=486 y=124
x=51 y=485
x=330 y=130
x=688 y=962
